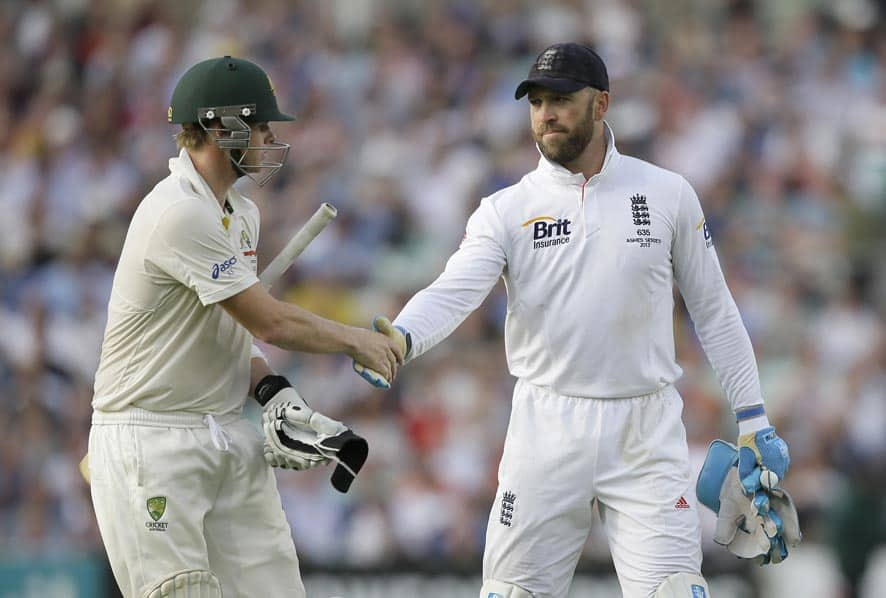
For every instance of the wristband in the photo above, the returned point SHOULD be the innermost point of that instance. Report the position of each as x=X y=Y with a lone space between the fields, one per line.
x=751 y=419
x=751 y=412
x=269 y=386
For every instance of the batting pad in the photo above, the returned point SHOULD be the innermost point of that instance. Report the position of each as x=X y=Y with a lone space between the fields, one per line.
x=191 y=583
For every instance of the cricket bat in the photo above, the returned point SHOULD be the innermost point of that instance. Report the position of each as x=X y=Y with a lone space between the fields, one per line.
x=297 y=244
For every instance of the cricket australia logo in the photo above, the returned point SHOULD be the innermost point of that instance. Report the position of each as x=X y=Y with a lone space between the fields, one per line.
x=507 y=508
x=548 y=231
x=642 y=220
x=156 y=509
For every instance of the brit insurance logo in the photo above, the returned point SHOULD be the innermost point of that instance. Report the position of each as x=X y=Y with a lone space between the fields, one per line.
x=548 y=231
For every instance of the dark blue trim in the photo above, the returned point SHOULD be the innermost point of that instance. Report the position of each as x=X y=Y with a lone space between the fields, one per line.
x=408 y=336
x=747 y=413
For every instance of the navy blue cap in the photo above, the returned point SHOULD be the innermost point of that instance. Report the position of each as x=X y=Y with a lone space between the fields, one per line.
x=566 y=68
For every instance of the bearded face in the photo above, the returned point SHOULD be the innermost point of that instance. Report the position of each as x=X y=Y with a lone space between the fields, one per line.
x=564 y=139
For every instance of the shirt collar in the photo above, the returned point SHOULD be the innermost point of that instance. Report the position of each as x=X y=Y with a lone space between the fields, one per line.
x=561 y=172
x=183 y=166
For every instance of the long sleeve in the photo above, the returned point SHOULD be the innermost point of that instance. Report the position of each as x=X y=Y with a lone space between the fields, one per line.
x=471 y=272
x=717 y=321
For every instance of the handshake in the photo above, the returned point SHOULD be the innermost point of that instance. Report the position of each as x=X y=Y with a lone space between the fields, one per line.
x=400 y=336
x=297 y=437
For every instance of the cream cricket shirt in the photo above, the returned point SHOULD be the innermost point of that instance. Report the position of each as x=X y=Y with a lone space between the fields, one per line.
x=589 y=268
x=168 y=346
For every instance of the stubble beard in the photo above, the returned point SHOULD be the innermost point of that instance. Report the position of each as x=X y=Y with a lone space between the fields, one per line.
x=569 y=149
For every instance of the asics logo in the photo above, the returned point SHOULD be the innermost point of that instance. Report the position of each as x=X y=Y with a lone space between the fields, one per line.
x=226 y=265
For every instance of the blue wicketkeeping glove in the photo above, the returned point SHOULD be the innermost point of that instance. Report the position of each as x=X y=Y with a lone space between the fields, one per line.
x=758 y=452
x=400 y=335
x=761 y=525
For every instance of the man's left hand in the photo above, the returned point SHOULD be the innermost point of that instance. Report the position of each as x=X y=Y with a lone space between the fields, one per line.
x=297 y=437
x=761 y=525
x=761 y=451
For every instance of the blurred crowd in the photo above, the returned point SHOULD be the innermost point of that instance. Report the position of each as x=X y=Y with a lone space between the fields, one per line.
x=774 y=111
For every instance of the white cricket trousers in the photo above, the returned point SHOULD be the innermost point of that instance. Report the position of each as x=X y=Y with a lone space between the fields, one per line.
x=176 y=491
x=562 y=454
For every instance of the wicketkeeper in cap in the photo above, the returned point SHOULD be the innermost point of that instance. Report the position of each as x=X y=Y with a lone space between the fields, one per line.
x=182 y=485
x=590 y=245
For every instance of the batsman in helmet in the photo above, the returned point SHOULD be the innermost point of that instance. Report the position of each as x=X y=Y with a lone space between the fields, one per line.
x=182 y=485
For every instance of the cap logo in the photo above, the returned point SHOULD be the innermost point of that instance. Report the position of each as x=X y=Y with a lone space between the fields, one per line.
x=546 y=61
x=169 y=114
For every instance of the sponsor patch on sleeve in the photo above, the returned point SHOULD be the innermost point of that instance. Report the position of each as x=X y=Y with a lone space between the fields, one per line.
x=706 y=231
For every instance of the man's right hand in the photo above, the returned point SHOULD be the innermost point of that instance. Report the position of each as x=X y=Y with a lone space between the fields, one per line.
x=380 y=352
x=402 y=342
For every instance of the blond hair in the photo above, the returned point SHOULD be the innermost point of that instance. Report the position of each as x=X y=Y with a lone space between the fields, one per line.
x=191 y=136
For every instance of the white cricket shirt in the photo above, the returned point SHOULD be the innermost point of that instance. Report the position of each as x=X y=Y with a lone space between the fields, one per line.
x=168 y=346
x=589 y=268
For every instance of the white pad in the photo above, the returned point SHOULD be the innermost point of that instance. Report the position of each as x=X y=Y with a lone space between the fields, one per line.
x=683 y=585
x=191 y=583
x=492 y=588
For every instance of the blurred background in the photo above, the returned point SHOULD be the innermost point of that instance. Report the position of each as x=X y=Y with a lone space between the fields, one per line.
x=774 y=111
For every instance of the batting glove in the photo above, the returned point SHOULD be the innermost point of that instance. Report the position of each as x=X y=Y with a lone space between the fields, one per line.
x=297 y=437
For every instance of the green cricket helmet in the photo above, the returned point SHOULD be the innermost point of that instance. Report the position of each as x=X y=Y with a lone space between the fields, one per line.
x=235 y=93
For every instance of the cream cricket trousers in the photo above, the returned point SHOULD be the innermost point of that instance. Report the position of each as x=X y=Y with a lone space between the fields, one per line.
x=563 y=453
x=171 y=493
